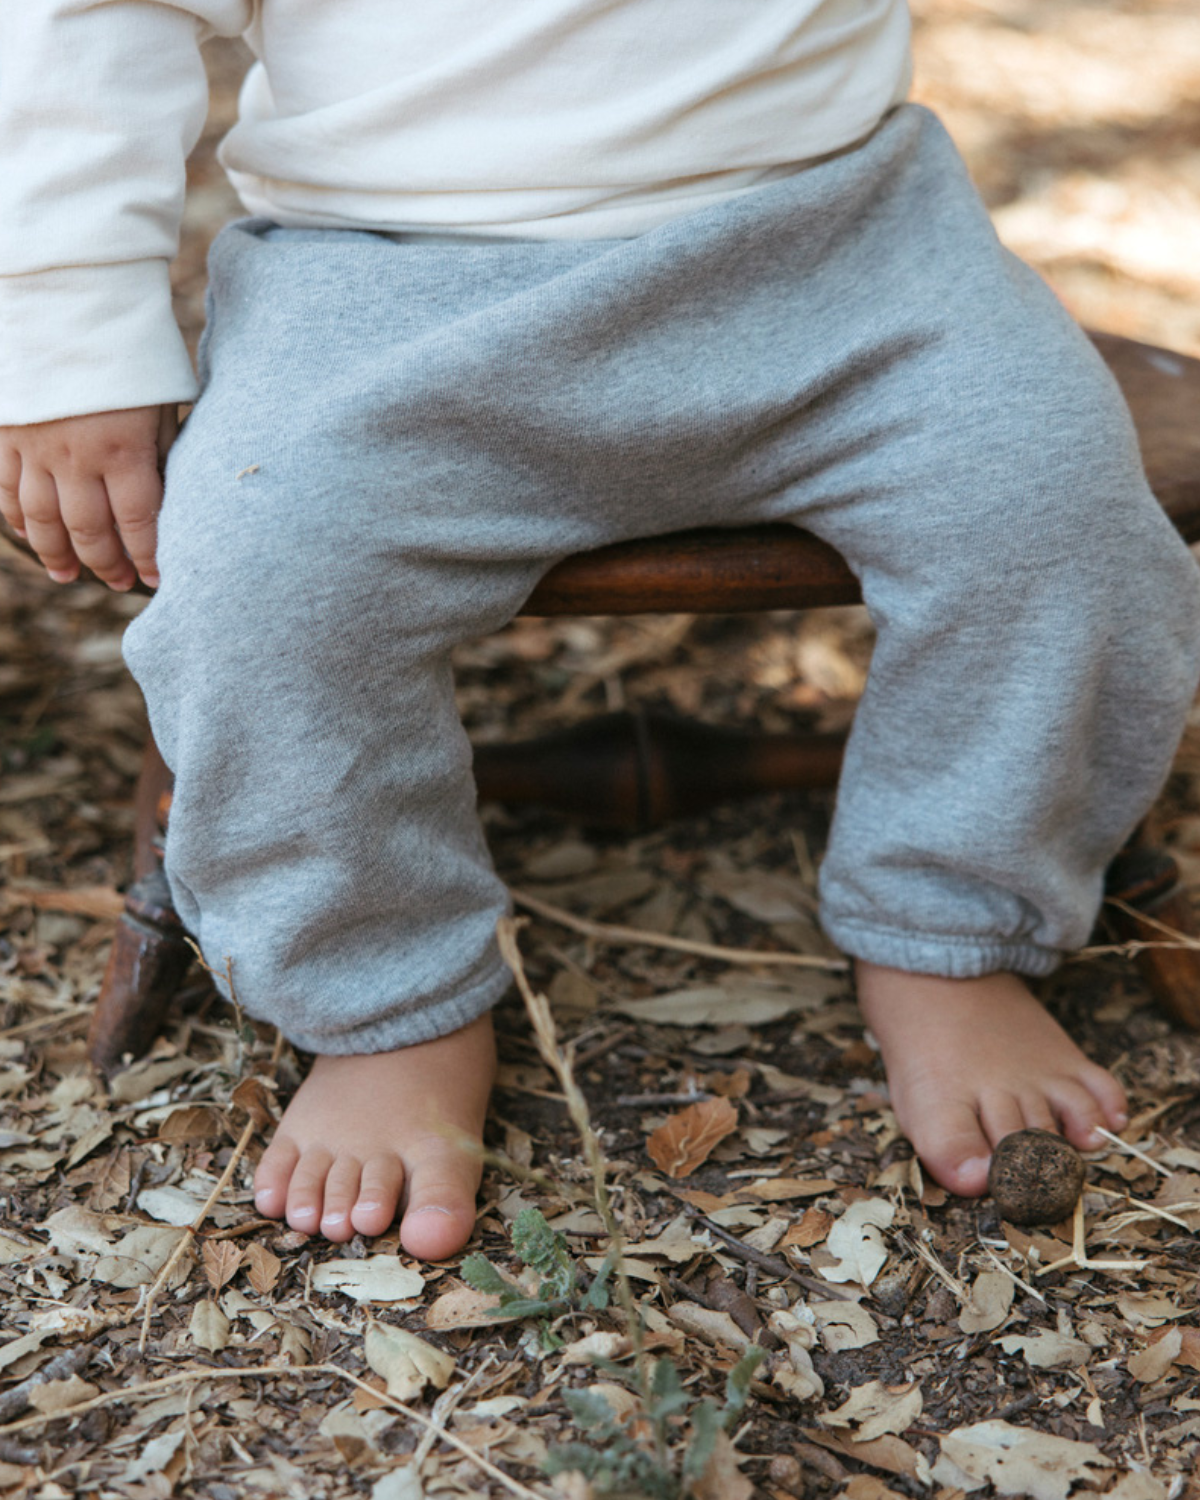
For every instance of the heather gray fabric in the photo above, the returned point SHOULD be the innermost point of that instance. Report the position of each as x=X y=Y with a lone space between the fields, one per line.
x=396 y=438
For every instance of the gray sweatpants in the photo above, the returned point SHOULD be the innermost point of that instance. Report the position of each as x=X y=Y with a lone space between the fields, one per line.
x=398 y=436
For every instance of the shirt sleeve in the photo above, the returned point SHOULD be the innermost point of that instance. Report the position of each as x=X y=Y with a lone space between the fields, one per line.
x=100 y=103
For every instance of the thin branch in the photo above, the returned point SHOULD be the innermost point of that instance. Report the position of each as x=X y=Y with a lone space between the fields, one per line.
x=193 y=1229
x=606 y=932
x=266 y=1372
x=560 y=1063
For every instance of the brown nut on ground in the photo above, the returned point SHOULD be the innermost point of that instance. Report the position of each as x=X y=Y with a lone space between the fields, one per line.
x=1036 y=1177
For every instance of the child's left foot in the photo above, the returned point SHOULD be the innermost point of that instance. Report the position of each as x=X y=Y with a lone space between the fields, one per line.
x=365 y=1133
x=971 y=1060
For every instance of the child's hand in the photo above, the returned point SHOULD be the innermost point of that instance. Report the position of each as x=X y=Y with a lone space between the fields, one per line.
x=88 y=490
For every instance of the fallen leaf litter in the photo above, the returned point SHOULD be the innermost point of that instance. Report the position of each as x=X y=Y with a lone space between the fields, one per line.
x=949 y=1351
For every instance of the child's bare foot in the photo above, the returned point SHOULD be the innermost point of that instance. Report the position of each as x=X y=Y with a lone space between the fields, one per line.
x=971 y=1060
x=367 y=1132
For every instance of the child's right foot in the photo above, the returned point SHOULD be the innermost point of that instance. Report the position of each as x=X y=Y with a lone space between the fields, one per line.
x=366 y=1133
x=971 y=1060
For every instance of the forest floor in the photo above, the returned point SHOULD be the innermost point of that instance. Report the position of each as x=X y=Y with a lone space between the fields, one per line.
x=918 y=1345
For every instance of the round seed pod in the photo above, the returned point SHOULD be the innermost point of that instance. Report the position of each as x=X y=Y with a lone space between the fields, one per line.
x=1036 y=1177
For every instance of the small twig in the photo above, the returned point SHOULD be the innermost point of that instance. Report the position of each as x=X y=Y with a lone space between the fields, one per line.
x=60 y=1018
x=923 y=1252
x=606 y=932
x=1014 y=1408
x=1132 y=1150
x=639 y=1101
x=775 y=1267
x=193 y=1229
x=1146 y=1208
x=592 y=1054
x=61 y=1367
x=1012 y=1275
x=506 y=1164
x=17 y=1453
x=561 y=1065
x=265 y=1372
x=442 y=1409
x=1079 y=1256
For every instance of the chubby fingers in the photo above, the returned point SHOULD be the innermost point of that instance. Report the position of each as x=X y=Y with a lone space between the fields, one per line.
x=135 y=496
x=10 y=483
x=88 y=517
x=48 y=536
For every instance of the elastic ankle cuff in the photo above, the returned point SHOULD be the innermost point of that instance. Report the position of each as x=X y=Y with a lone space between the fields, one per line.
x=950 y=957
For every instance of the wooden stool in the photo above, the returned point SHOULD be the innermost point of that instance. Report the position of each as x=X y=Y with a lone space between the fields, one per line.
x=636 y=770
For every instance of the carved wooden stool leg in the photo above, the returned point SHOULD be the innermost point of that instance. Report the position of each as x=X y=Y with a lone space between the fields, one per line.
x=638 y=770
x=1146 y=904
x=149 y=954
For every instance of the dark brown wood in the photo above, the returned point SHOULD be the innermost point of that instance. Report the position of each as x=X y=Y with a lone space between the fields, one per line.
x=1147 y=904
x=149 y=958
x=1162 y=388
x=639 y=770
x=154 y=785
x=710 y=571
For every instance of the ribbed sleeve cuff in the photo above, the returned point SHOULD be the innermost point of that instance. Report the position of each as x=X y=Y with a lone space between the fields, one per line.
x=83 y=339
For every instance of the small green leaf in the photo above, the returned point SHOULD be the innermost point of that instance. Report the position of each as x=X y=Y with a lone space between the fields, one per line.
x=737 y=1382
x=596 y=1296
x=478 y=1272
x=706 y=1425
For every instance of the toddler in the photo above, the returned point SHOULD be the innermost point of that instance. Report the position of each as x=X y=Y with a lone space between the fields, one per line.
x=521 y=280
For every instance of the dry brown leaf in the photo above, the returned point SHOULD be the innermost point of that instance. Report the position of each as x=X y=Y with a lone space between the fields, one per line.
x=812 y=1227
x=464 y=1307
x=59 y=1395
x=878 y=1409
x=221 y=1259
x=194 y=1125
x=1152 y=1362
x=722 y=1479
x=255 y=1098
x=868 y=1487
x=784 y=1189
x=408 y=1364
x=209 y=1327
x=1017 y=1460
x=892 y=1454
x=262 y=1268
x=687 y=1139
x=989 y=1304
x=708 y=1324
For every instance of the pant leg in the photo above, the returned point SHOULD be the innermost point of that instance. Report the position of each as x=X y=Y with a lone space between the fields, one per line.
x=394 y=440
x=965 y=448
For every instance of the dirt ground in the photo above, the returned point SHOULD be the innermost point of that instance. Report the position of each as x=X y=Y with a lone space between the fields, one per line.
x=918 y=1345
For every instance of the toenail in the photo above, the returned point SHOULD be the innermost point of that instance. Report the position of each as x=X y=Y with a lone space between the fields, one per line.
x=1122 y=1120
x=432 y=1208
x=973 y=1165
x=334 y=1219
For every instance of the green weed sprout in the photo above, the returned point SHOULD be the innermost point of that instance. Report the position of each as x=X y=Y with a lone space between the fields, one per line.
x=621 y=1465
x=545 y=1252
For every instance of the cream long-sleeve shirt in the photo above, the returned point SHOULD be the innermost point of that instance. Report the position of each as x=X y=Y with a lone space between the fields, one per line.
x=533 y=118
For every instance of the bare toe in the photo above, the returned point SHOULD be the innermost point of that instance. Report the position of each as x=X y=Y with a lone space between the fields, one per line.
x=341 y=1193
x=378 y=1195
x=954 y=1149
x=1080 y=1112
x=306 y=1192
x=441 y=1202
x=1036 y=1112
x=1109 y=1093
x=1001 y=1113
x=273 y=1175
